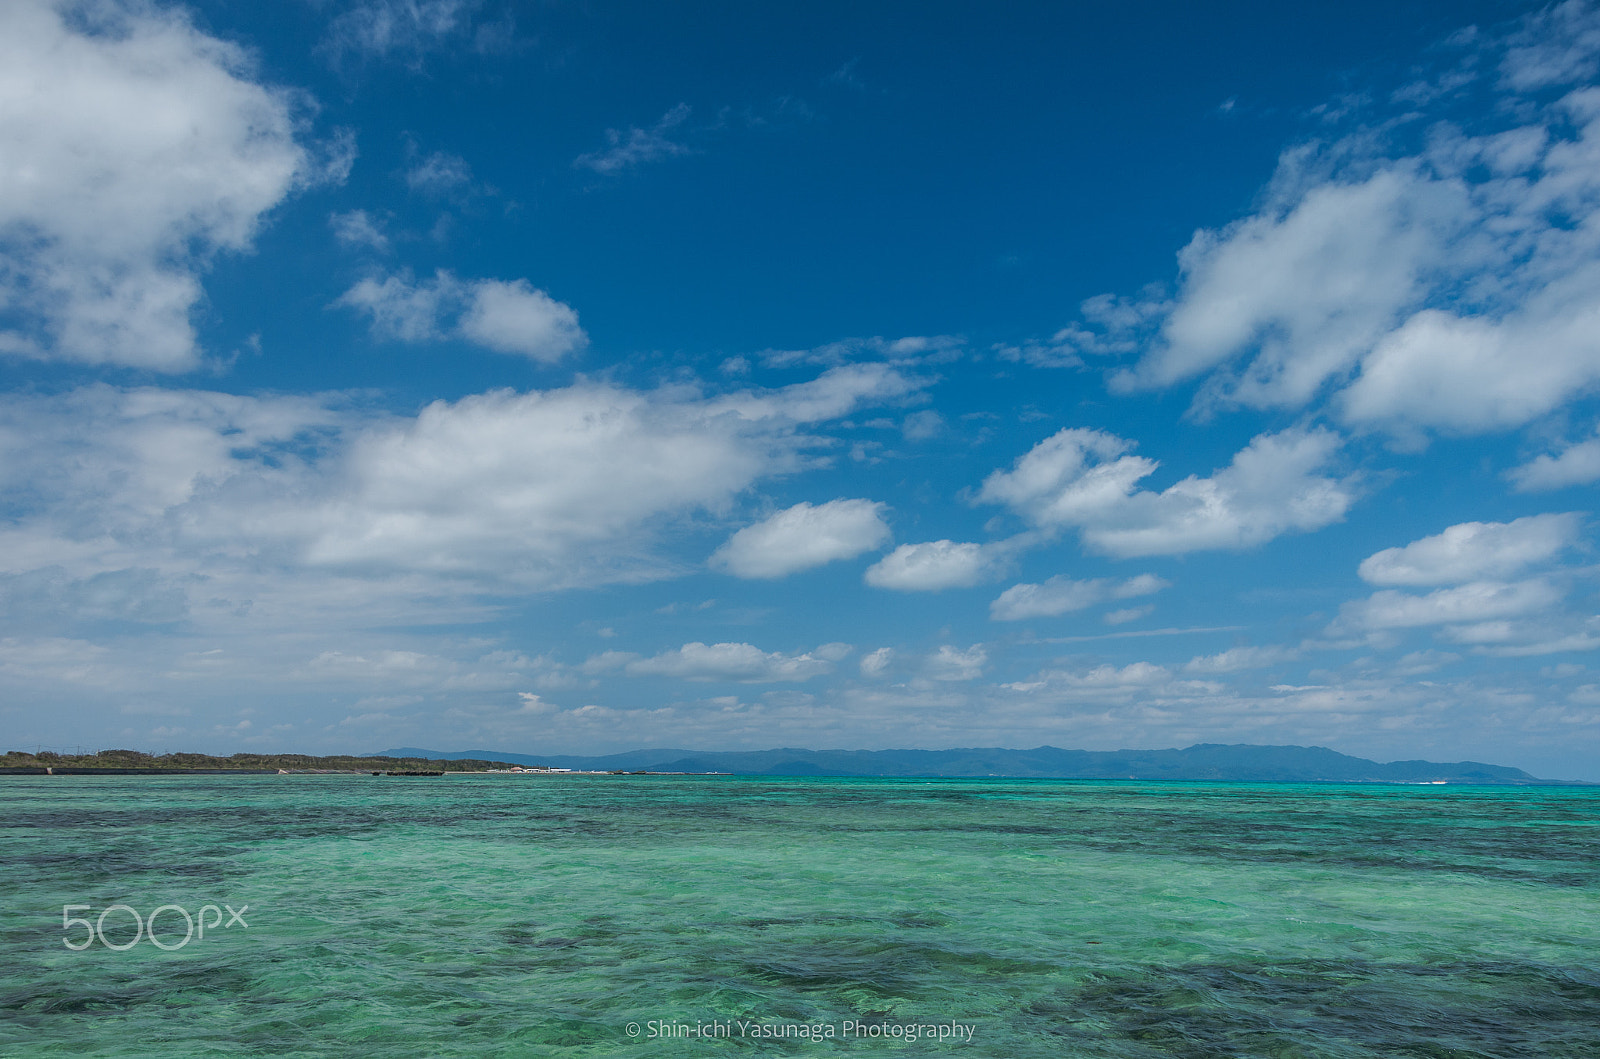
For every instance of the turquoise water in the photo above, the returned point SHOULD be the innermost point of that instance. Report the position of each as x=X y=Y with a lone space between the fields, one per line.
x=537 y=915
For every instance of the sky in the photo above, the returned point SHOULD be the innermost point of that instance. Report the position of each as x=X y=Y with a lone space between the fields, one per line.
x=580 y=377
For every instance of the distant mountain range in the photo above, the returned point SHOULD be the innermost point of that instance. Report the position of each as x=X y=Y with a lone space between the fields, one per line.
x=1204 y=761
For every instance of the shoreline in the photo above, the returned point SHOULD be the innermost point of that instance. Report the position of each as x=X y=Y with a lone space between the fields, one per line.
x=81 y=770
x=78 y=770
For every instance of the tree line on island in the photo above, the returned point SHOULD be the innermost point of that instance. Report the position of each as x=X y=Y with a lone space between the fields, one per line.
x=185 y=762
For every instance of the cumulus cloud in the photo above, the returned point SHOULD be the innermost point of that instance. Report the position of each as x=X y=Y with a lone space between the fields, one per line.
x=635 y=146
x=133 y=147
x=1470 y=373
x=1308 y=286
x=740 y=662
x=802 y=537
x=515 y=318
x=1576 y=464
x=1484 y=608
x=520 y=479
x=1473 y=551
x=1406 y=284
x=507 y=317
x=1061 y=594
x=212 y=504
x=1478 y=601
x=952 y=663
x=530 y=482
x=936 y=565
x=1086 y=479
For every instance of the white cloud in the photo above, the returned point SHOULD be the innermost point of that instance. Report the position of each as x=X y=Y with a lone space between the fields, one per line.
x=1307 y=286
x=1237 y=658
x=132 y=147
x=507 y=317
x=1486 y=610
x=1479 y=601
x=1578 y=641
x=1576 y=464
x=1468 y=373
x=439 y=173
x=952 y=663
x=1059 y=595
x=357 y=229
x=1139 y=585
x=802 y=537
x=1068 y=477
x=875 y=662
x=403 y=310
x=907 y=351
x=378 y=28
x=207 y=504
x=1481 y=632
x=624 y=150
x=739 y=662
x=526 y=483
x=936 y=565
x=1083 y=478
x=378 y=666
x=1454 y=287
x=515 y=318
x=56 y=659
x=1121 y=325
x=1557 y=45
x=1419 y=662
x=920 y=426
x=1129 y=679
x=830 y=395
x=1472 y=551
x=151 y=452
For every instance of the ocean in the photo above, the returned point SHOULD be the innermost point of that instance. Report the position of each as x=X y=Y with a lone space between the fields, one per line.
x=700 y=916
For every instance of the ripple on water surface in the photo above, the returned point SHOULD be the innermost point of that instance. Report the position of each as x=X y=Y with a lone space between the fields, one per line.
x=479 y=915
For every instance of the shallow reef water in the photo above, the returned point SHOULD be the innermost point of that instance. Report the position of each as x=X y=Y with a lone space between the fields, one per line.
x=677 y=915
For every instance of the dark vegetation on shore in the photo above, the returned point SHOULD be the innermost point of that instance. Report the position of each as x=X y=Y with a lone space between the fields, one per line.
x=134 y=759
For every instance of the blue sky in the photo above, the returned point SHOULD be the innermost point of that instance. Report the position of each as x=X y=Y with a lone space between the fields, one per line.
x=583 y=377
